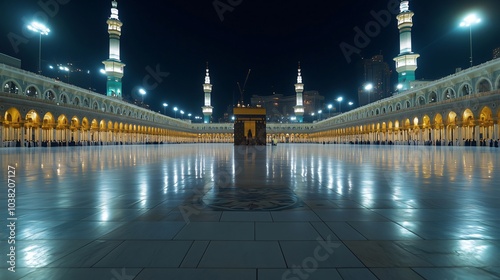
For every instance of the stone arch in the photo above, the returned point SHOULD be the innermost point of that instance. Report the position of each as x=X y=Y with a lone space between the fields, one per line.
x=421 y=100
x=12 y=117
x=486 y=116
x=11 y=86
x=111 y=109
x=32 y=119
x=75 y=123
x=95 y=105
x=49 y=95
x=468 y=118
x=433 y=97
x=390 y=108
x=408 y=104
x=448 y=93
x=85 y=124
x=62 y=122
x=48 y=121
x=32 y=91
x=76 y=101
x=483 y=85
x=398 y=106
x=64 y=98
x=426 y=121
x=86 y=102
x=451 y=118
x=465 y=89
x=118 y=110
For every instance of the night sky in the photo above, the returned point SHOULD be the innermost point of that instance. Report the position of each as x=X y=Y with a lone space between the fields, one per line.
x=178 y=37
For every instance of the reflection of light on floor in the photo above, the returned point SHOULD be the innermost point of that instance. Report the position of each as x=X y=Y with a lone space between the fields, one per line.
x=471 y=247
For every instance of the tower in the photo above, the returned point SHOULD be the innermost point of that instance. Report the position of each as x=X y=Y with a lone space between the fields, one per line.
x=207 y=88
x=299 y=89
x=406 y=61
x=113 y=66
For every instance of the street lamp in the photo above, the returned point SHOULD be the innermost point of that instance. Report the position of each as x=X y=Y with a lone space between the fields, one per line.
x=165 y=105
x=189 y=116
x=142 y=92
x=42 y=30
x=175 y=110
x=329 y=108
x=340 y=103
x=369 y=88
x=468 y=22
x=182 y=114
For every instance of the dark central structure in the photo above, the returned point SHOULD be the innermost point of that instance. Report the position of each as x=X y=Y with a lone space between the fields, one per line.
x=249 y=126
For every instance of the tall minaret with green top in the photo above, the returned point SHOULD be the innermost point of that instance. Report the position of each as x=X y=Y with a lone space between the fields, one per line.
x=113 y=65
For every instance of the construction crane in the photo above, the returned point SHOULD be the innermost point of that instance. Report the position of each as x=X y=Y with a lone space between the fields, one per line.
x=242 y=90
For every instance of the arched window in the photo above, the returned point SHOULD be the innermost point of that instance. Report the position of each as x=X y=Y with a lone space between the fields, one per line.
x=50 y=95
x=432 y=97
x=32 y=92
x=11 y=87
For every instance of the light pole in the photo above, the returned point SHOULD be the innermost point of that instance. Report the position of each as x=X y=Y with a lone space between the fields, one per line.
x=175 y=110
x=369 y=88
x=189 y=116
x=42 y=30
x=468 y=22
x=182 y=114
x=165 y=105
x=329 y=108
x=142 y=92
x=319 y=114
x=340 y=103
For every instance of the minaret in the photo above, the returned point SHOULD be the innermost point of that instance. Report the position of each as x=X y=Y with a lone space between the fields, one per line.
x=299 y=89
x=113 y=66
x=406 y=61
x=207 y=88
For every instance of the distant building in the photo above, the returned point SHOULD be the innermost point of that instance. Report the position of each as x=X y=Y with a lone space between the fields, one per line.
x=280 y=108
x=496 y=53
x=376 y=72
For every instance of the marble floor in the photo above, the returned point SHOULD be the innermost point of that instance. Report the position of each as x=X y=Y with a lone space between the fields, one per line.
x=215 y=211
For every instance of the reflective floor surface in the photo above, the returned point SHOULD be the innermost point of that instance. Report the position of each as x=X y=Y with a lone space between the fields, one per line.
x=215 y=211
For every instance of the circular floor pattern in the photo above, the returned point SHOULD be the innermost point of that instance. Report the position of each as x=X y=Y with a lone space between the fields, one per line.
x=250 y=199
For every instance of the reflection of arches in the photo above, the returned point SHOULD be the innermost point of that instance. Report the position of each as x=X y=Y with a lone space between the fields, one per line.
x=32 y=91
x=483 y=86
x=11 y=87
